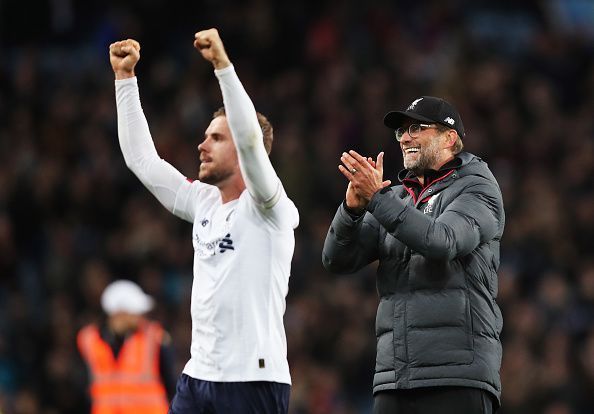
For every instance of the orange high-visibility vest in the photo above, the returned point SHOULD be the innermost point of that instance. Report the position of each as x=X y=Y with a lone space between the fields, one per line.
x=131 y=383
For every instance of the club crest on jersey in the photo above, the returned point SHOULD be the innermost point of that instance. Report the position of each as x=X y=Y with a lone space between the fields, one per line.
x=429 y=207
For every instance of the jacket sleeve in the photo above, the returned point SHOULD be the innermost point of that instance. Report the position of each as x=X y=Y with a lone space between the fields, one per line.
x=350 y=243
x=473 y=217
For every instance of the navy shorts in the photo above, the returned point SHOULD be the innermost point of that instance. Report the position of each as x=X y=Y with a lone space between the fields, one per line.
x=194 y=396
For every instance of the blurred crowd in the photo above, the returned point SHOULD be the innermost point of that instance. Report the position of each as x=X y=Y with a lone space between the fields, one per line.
x=73 y=218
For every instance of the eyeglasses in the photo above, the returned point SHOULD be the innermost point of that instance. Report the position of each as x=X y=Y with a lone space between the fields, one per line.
x=413 y=130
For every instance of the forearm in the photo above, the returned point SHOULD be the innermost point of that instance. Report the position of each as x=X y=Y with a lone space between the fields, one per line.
x=133 y=130
x=350 y=243
x=448 y=236
x=138 y=149
x=259 y=175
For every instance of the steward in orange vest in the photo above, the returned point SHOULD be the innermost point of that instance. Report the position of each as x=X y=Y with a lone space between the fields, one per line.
x=124 y=356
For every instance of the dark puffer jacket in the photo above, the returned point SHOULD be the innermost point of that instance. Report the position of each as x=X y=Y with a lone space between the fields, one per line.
x=437 y=321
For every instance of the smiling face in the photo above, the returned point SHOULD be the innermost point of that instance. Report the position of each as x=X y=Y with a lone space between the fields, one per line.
x=430 y=149
x=218 y=156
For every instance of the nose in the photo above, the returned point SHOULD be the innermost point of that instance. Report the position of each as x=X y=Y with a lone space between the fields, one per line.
x=405 y=138
x=202 y=145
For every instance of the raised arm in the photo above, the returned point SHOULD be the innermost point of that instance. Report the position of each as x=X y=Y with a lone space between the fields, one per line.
x=257 y=171
x=167 y=184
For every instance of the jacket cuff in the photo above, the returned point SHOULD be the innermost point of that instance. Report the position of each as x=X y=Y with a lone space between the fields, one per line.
x=349 y=218
x=352 y=213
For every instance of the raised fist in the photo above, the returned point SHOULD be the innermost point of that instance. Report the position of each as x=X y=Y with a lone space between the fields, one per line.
x=210 y=45
x=123 y=56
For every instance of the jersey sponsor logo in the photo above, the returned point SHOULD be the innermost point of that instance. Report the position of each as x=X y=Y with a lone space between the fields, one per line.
x=209 y=248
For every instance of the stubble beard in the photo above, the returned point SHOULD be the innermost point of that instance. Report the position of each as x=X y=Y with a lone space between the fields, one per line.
x=213 y=177
x=428 y=157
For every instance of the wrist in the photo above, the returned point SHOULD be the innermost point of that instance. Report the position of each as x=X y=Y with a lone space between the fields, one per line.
x=124 y=74
x=221 y=64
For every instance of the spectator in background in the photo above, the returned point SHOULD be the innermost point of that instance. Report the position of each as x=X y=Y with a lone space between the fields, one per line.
x=242 y=236
x=436 y=237
x=129 y=358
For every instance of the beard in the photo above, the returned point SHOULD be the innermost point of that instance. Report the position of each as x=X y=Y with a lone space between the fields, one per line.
x=213 y=177
x=427 y=158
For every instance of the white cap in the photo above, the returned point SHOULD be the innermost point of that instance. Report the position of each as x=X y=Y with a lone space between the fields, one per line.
x=125 y=296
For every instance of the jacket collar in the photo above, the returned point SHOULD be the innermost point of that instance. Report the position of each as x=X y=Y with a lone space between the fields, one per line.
x=459 y=160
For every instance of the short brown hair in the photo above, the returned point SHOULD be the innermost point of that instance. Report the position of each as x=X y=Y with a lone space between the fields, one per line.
x=458 y=145
x=265 y=125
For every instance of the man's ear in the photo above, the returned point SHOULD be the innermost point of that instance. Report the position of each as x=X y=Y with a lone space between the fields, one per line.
x=450 y=138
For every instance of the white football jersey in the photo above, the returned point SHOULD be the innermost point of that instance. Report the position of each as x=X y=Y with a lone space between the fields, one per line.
x=242 y=249
x=242 y=260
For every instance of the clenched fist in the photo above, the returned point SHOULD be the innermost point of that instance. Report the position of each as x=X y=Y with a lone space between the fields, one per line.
x=210 y=45
x=123 y=56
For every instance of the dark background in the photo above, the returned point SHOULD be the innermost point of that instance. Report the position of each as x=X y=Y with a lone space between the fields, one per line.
x=73 y=218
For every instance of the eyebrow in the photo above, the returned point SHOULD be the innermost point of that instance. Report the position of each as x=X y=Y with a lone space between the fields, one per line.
x=214 y=135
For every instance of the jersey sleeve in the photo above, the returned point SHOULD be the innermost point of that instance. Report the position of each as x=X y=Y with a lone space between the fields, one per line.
x=165 y=182
x=260 y=178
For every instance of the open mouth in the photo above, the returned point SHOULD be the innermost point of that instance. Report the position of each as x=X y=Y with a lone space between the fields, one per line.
x=411 y=150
